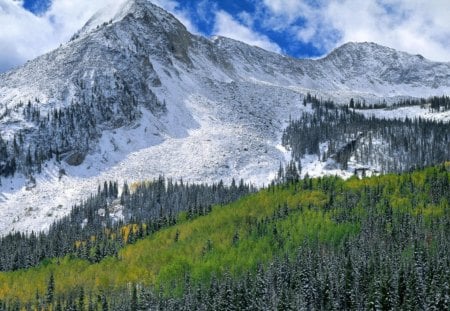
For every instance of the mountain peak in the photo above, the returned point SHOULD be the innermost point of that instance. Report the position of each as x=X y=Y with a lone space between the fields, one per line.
x=139 y=20
x=371 y=50
x=367 y=47
x=370 y=53
x=131 y=9
x=380 y=64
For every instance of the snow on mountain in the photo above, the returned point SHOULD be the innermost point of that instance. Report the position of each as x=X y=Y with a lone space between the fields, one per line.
x=411 y=112
x=385 y=71
x=202 y=109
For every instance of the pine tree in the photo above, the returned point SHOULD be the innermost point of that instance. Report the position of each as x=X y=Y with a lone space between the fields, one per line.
x=50 y=289
x=134 y=298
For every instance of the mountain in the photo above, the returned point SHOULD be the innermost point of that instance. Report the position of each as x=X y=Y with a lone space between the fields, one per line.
x=140 y=33
x=382 y=66
x=133 y=95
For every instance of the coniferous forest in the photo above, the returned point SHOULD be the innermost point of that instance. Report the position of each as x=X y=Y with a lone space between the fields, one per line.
x=378 y=243
x=65 y=133
x=89 y=232
x=392 y=145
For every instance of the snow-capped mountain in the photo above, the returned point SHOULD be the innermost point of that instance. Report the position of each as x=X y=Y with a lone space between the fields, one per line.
x=134 y=95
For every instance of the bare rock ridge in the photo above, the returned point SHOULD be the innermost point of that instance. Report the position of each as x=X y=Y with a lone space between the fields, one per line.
x=386 y=65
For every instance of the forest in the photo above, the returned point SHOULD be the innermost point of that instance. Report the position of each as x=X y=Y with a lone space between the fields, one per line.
x=90 y=232
x=386 y=145
x=433 y=104
x=378 y=243
x=65 y=133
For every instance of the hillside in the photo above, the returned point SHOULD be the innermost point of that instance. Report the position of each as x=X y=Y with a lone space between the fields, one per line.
x=324 y=243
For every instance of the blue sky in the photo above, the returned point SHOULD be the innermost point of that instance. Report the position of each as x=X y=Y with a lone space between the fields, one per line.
x=37 y=6
x=253 y=15
x=299 y=28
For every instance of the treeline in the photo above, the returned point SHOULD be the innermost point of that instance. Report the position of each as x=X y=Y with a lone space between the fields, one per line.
x=435 y=104
x=392 y=145
x=385 y=247
x=288 y=174
x=66 y=133
x=90 y=231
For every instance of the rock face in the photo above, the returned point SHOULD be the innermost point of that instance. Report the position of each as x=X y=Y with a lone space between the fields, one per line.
x=133 y=95
x=382 y=65
x=75 y=159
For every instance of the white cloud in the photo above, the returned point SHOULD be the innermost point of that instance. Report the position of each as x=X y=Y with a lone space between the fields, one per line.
x=18 y=37
x=246 y=18
x=410 y=26
x=415 y=26
x=24 y=36
x=183 y=16
x=227 y=26
x=205 y=10
x=289 y=8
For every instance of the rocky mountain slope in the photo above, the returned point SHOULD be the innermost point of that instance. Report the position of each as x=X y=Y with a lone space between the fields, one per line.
x=134 y=94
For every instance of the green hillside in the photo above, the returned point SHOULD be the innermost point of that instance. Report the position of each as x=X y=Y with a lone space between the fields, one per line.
x=328 y=217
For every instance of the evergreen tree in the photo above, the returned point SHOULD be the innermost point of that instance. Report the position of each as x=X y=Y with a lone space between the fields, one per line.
x=50 y=289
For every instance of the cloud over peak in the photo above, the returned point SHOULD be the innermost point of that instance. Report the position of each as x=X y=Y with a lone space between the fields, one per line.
x=227 y=26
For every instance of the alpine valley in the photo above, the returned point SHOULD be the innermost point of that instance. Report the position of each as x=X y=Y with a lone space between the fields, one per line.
x=134 y=97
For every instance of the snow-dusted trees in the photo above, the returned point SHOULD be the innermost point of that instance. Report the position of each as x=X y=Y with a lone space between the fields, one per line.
x=391 y=145
x=289 y=174
x=150 y=207
x=68 y=133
